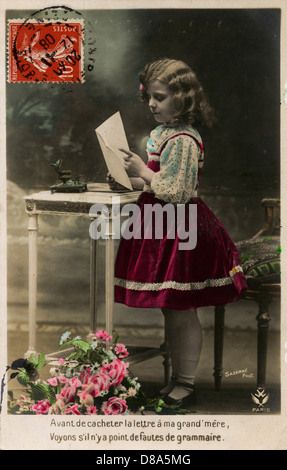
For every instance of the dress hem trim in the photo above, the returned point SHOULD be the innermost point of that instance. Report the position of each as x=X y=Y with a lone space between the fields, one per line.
x=181 y=286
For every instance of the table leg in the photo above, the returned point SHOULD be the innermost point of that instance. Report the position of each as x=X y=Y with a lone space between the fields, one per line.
x=33 y=256
x=263 y=320
x=109 y=276
x=93 y=288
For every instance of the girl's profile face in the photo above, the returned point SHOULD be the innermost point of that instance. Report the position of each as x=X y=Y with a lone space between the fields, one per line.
x=160 y=101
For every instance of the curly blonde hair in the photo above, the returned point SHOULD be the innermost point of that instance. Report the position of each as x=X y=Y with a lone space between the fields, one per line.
x=190 y=103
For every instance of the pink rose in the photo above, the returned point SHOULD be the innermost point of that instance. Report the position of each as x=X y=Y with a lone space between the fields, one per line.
x=73 y=410
x=75 y=382
x=114 y=406
x=94 y=384
x=53 y=381
x=63 y=380
x=91 y=410
x=67 y=394
x=102 y=380
x=58 y=406
x=100 y=383
x=69 y=391
x=42 y=407
x=103 y=336
x=85 y=375
x=116 y=370
x=93 y=389
x=121 y=350
x=85 y=395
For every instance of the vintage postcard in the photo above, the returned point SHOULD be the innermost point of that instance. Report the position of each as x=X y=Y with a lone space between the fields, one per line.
x=142 y=234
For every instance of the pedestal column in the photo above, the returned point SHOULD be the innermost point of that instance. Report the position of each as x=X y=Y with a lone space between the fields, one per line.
x=33 y=275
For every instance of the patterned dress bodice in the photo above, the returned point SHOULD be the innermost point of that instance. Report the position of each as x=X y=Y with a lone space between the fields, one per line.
x=176 y=155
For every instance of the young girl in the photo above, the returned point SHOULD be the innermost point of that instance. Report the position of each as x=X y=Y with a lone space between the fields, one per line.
x=152 y=272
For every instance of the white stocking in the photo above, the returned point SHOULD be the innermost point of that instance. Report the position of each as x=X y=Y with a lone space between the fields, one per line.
x=184 y=335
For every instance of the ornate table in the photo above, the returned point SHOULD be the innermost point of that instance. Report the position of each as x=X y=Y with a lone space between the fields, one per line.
x=77 y=204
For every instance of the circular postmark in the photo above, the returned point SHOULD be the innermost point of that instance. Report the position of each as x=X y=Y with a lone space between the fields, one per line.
x=49 y=46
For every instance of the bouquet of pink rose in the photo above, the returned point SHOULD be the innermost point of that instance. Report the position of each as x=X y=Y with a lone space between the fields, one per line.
x=93 y=379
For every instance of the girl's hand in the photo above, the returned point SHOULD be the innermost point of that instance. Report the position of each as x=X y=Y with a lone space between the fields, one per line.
x=113 y=184
x=134 y=165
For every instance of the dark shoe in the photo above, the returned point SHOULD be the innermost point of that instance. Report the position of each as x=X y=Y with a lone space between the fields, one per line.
x=186 y=401
x=168 y=388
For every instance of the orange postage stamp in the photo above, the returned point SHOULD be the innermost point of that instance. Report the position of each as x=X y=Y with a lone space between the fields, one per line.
x=45 y=51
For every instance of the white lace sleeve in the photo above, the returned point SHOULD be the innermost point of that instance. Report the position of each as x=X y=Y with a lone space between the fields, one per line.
x=176 y=182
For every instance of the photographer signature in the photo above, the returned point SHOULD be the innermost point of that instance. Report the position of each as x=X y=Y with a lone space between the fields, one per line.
x=243 y=372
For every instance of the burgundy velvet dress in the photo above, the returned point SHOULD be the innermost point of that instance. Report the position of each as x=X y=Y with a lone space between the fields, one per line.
x=152 y=270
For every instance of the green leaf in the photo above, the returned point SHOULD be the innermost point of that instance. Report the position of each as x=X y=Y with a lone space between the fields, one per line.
x=41 y=361
x=38 y=391
x=116 y=340
x=75 y=355
x=13 y=409
x=52 y=392
x=78 y=343
x=33 y=359
x=23 y=377
x=41 y=391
